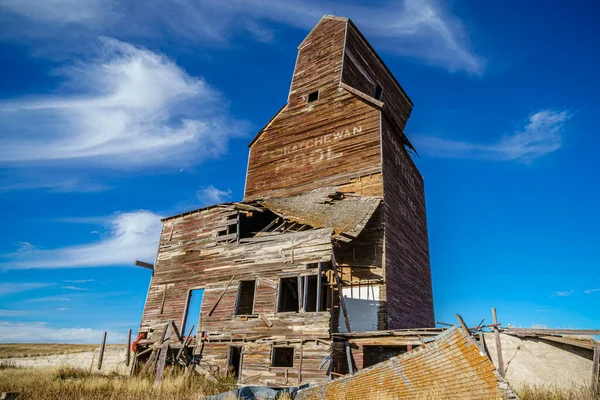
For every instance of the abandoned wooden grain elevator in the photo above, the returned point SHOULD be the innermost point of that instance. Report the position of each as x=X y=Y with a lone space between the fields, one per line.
x=327 y=256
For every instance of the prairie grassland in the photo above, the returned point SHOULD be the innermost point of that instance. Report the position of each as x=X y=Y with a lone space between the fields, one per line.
x=555 y=393
x=67 y=383
x=17 y=350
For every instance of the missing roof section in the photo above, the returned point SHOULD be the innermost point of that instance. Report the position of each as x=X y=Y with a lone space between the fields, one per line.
x=327 y=208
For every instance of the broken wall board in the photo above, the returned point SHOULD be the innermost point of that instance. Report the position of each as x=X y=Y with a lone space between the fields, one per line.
x=451 y=366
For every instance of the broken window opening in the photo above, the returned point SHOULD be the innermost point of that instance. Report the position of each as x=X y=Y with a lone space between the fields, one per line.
x=375 y=354
x=378 y=94
x=307 y=286
x=234 y=362
x=282 y=357
x=245 y=300
x=313 y=96
x=288 y=295
x=251 y=223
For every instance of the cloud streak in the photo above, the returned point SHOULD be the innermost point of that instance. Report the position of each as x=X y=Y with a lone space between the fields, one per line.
x=209 y=195
x=8 y=288
x=541 y=135
x=421 y=29
x=41 y=332
x=133 y=235
x=128 y=107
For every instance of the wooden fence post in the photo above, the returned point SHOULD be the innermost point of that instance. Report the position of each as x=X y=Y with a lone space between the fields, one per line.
x=498 y=343
x=102 y=351
x=128 y=359
x=596 y=369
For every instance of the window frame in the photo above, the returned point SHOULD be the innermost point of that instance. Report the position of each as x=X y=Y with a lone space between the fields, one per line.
x=280 y=346
x=237 y=299
x=308 y=100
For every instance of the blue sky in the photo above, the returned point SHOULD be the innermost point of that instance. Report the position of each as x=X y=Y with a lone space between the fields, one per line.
x=115 y=112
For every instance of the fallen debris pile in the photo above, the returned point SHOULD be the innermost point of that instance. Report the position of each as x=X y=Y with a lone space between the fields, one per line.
x=450 y=365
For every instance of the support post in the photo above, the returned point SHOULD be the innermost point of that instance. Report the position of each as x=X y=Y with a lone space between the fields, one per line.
x=498 y=343
x=162 y=356
x=349 y=357
x=300 y=363
x=596 y=369
x=102 y=350
x=319 y=288
x=128 y=356
x=339 y=287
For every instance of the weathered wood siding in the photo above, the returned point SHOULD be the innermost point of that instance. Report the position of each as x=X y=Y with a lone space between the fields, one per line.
x=363 y=70
x=329 y=142
x=192 y=256
x=407 y=269
x=256 y=362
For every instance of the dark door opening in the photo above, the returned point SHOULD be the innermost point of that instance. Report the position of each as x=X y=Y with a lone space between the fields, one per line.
x=234 y=364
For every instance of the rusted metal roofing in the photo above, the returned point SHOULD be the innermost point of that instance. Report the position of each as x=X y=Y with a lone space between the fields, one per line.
x=327 y=208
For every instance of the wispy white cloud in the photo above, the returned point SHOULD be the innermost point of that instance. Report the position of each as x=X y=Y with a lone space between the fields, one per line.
x=132 y=235
x=75 y=288
x=562 y=294
x=13 y=313
x=129 y=107
x=62 y=309
x=8 y=288
x=541 y=135
x=209 y=195
x=41 y=332
x=48 y=299
x=78 y=280
x=589 y=291
x=422 y=29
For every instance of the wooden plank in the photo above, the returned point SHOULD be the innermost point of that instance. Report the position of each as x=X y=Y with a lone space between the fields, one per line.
x=128 y=354
x=185 y=343
x=164 y=297
x=596 y=369
x=535 y=331
x=163 y=352
x=221 y=296
x=300 y=362
x=339 y=288
x=498 y=343
x=319 y=284
x=132 y=368
x=349 y=357
x=102 y=351
x=144 y=264
x=265 y=320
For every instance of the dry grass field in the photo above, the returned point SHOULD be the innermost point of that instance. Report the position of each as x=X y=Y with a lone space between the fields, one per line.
x=17 y=350
x=67 y=383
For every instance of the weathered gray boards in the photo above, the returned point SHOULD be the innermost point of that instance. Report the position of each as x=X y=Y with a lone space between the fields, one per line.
x=331 y=235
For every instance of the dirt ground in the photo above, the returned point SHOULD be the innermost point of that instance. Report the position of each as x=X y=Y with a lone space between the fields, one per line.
x=539 y=363
x=113 y=360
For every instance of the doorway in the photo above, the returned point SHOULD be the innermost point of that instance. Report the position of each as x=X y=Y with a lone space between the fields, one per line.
x=192 y=314
x=234 y=363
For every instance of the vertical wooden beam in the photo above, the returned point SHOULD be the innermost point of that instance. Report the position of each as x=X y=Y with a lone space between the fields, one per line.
x=102 y=350
x=349 y=357
x=300 y=363
x=162 y=304
x=300 y=295
x=498 y=343
x=185 y=343
x=132 y=369
x=238 y=227
x=305 y=293
x=319 y=288
x=162 y=356
x=596 y=369
x=128 y=356
x=339 y=287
